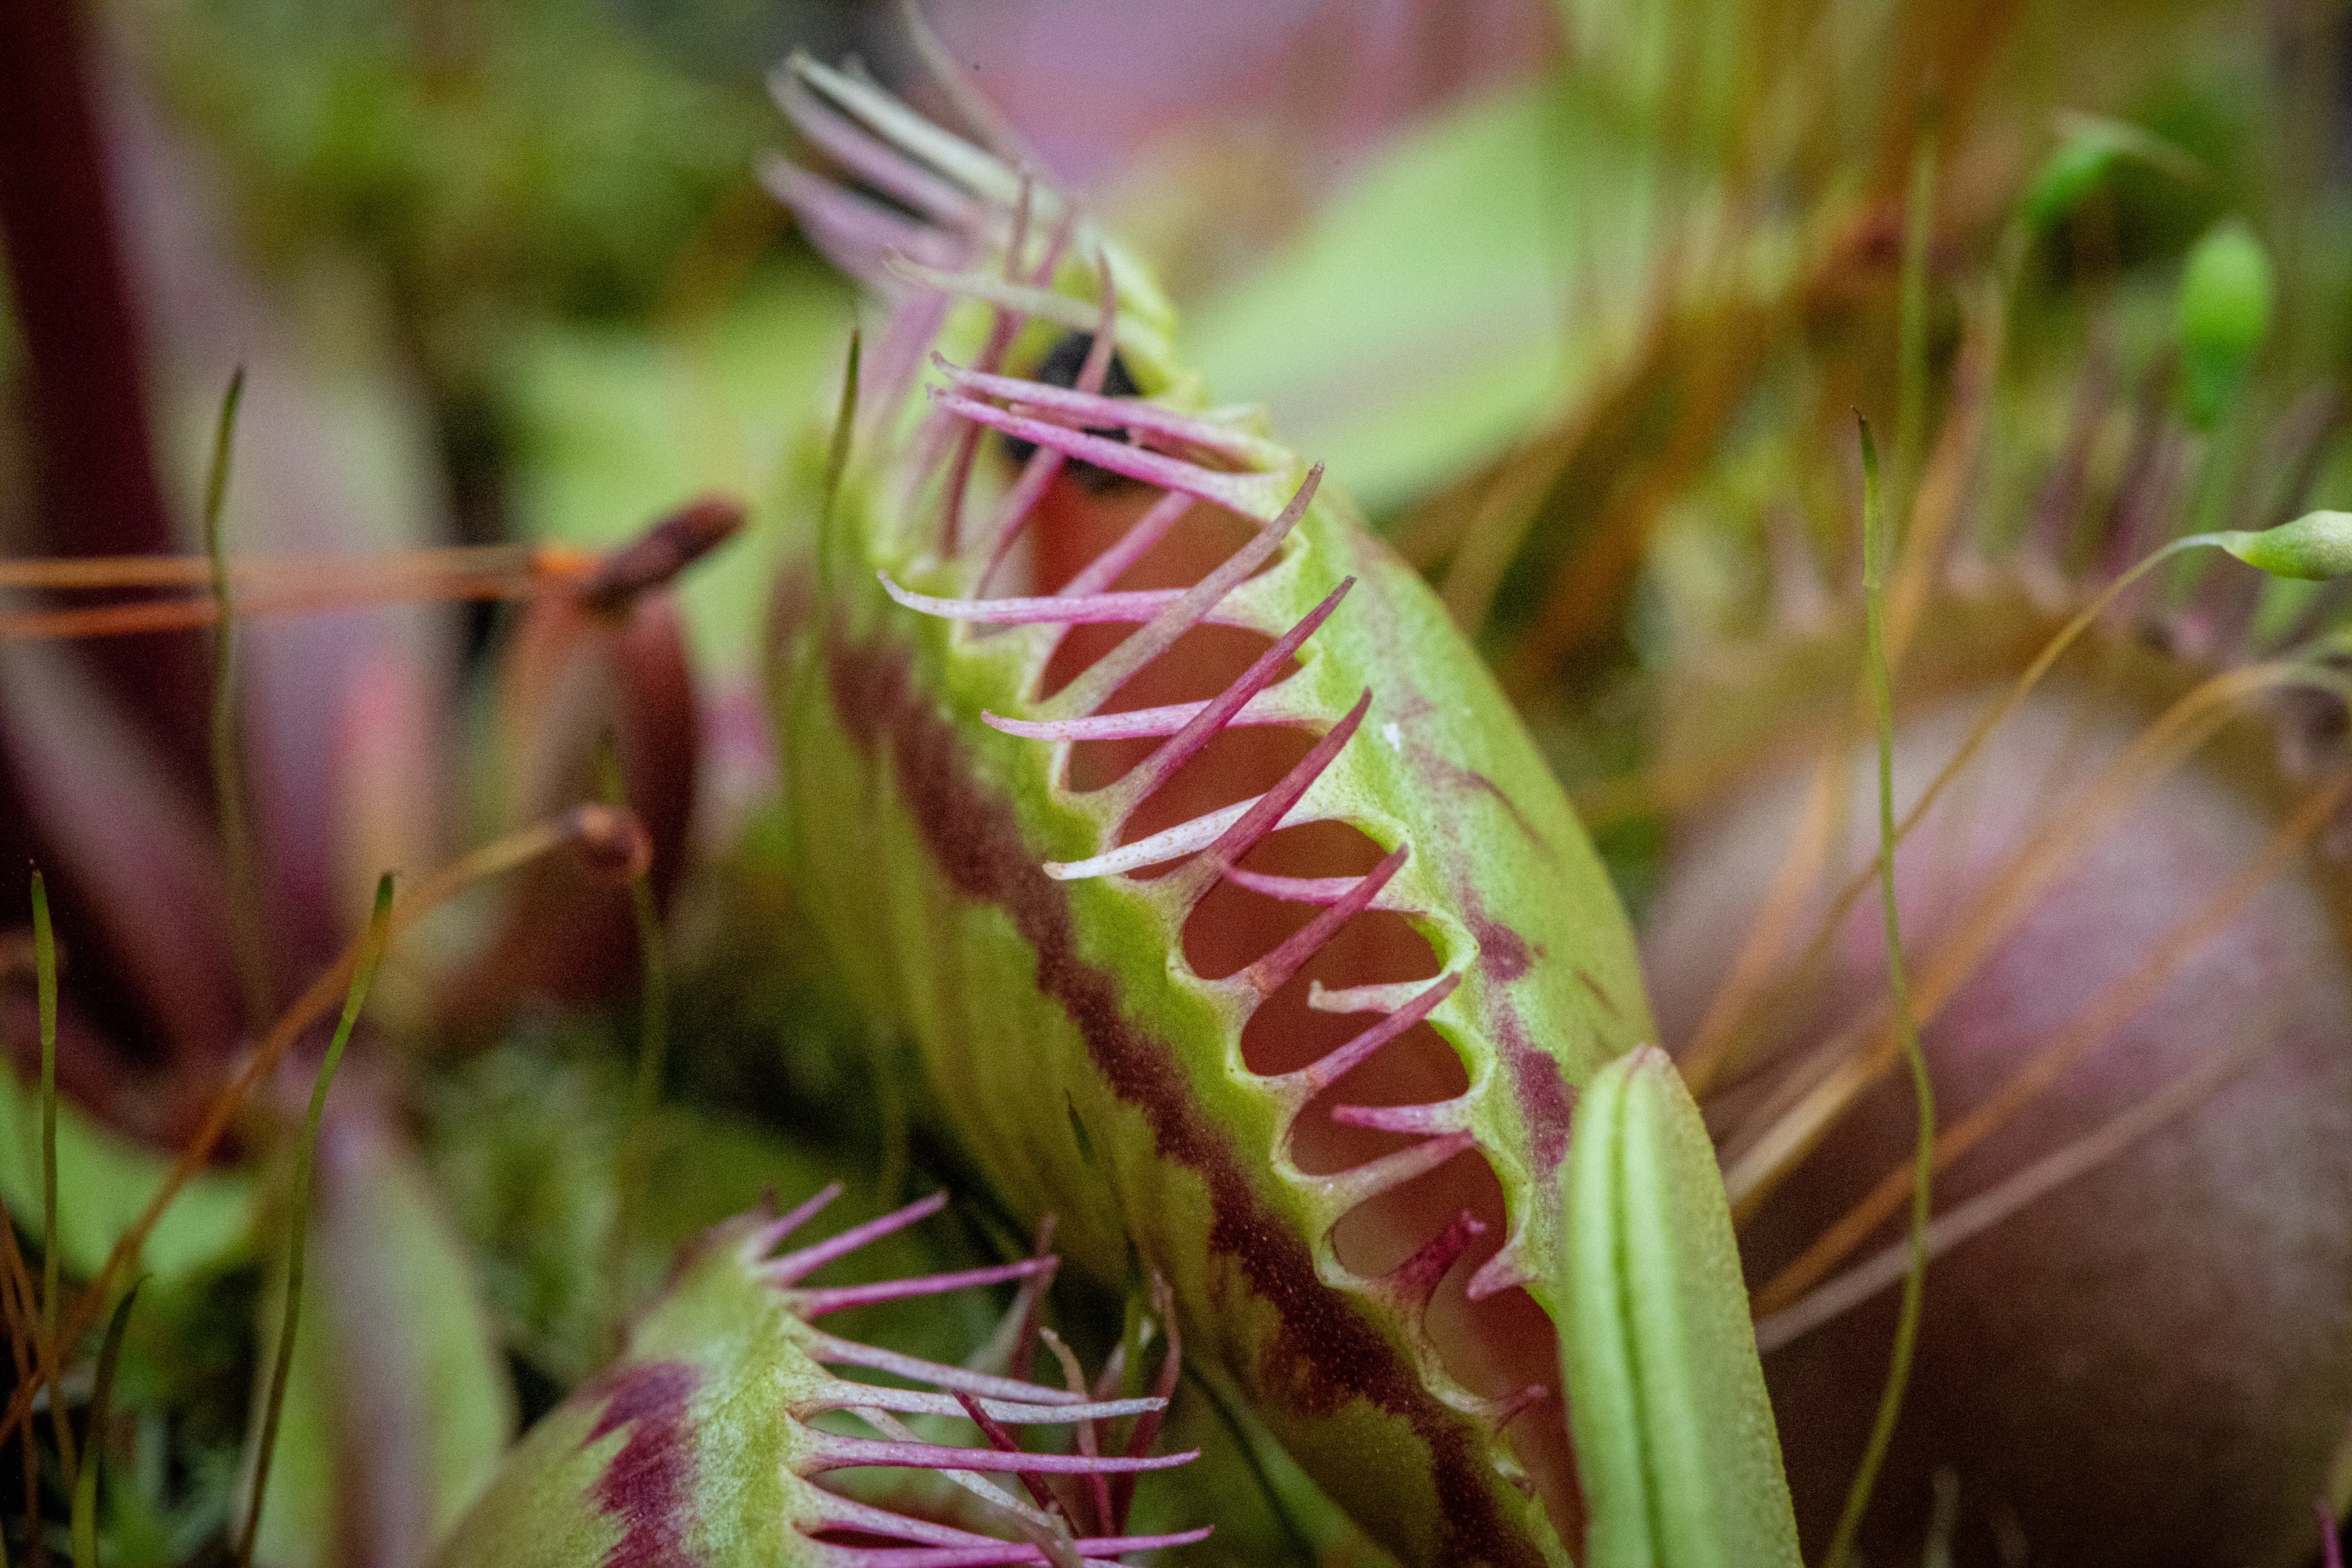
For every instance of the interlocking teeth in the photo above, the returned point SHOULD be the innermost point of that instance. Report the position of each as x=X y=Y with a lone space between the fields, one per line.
x=853 y=231
x=1082 y=409
x=817 y=1303
x=807 y=1260
x=911 y=134
x=822 y=1451
x=1332 y=1197
x=806 y=1380
x=1444 y=1116
x=1195 y=877
x=1104 y=677
x=1159 y=447
x=1270 y=973
x=1219 y=712
x=1136 y=606
x=1299 y=1086
x=1385 y=997
x=1320 y=890
x=1507 y=1270
x=944 y=1546
x=843 y=1394
x=1147 y=723
x=1159 y=849
x=1149 y=531
x=1411 y=1283
x=766 y=1238
x=1250 y=494
x=833 y=1350
x=1013 y=516
x=871 y=161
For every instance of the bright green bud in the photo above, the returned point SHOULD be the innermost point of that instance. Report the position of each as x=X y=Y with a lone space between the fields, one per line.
x=2314 y=547
x=2071 y=173
x=2225 y=313
x=2090 y=147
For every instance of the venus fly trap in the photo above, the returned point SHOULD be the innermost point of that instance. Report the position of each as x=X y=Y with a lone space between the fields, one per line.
x=704 y=1442
x=1232 y=916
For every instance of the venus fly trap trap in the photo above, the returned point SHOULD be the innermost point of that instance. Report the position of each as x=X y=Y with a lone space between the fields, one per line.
x=705 y=1440
x=1236 y=921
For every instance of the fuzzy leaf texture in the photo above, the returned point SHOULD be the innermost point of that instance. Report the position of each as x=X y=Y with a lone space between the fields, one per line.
x=1231 y=915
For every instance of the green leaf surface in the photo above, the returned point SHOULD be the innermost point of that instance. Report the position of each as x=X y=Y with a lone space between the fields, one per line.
x=104 y=1180
x=618 y=428
x=1418 y=323
x=2314 y=548
x=1674 y=1431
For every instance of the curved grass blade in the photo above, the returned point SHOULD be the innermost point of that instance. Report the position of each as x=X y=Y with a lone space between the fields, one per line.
x=1875 y=545
x=45 y=971
x=85 y=1494
x=228 y=772
x=298 y=1207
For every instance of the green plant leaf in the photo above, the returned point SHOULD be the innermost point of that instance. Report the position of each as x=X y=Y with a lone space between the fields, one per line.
x=1418 y=323
x=1674 y=1437
x=106 y=1181
x=2089 y=145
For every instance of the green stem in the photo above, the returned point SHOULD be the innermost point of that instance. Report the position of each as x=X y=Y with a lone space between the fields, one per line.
x=1875 y=548
x=1911 y=329
x=45 y=971
x=653 y=1049
x=836 y=463
x=299 y=1210
x=45 y=981
x=1990 y=720
x=228 y=774
x=101 y=1396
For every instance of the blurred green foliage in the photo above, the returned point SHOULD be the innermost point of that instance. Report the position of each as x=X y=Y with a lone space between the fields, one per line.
x=526 y=155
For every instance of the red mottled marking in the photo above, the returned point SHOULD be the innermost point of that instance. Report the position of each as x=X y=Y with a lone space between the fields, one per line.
x=648 y=1484
x=1541 y=1088
x=1443 y=773
x=1325 y=1352
x=1536 y=1082
x=1503 y=953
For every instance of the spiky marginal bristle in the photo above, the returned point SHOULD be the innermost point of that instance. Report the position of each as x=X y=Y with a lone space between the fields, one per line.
x=704 y=1441
x=1208 y=667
